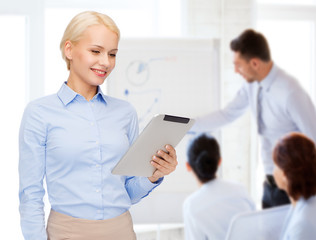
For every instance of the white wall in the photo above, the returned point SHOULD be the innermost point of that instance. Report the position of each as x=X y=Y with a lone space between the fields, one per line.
x=226 y=19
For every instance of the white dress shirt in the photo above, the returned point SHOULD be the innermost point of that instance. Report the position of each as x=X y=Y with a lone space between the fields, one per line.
x=208 y=211
x=300 y=223
x=285 y=108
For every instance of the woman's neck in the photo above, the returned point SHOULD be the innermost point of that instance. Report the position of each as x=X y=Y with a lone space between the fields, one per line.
x=200 y=183
x=87 y=91
x=293 y=201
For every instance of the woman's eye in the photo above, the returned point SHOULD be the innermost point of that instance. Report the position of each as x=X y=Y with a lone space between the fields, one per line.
x=113 y=55
x=95 y=51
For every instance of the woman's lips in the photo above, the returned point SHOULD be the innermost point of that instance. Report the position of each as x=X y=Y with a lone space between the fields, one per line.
x=98 y=72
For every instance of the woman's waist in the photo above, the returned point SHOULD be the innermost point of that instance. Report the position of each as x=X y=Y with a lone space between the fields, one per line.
x=89 y=213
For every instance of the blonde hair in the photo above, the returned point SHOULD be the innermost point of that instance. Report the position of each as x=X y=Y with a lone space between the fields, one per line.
x=80 y=23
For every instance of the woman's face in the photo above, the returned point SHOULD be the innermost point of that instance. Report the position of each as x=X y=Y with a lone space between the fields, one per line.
x=280 y=178
x=92 y=59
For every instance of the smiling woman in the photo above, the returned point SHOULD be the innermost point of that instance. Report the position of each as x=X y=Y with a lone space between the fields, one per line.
x=74 y=138
x=91 y=59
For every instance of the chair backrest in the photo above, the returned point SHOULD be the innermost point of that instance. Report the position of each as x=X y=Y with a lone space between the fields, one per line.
x=258 y=225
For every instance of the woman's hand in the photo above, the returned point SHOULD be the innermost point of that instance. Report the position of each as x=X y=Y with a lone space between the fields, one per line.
x=165 y=163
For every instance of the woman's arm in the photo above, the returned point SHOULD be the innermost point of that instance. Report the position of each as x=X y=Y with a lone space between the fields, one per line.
x=31 y=173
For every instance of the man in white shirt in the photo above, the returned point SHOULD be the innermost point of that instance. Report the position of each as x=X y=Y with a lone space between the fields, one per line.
x=277 y=101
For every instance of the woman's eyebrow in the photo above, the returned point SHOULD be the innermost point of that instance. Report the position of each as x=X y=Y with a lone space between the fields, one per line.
x=98 y=46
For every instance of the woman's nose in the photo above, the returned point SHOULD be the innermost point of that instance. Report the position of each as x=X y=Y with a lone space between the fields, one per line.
x=104 y=60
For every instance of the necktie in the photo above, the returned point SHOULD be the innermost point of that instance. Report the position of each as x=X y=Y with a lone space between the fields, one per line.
x=259 y=109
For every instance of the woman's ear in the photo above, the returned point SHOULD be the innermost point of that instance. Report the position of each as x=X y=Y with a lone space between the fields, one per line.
x=189 y=169
x=219 y=162
x=284 y=180
x=68 y=50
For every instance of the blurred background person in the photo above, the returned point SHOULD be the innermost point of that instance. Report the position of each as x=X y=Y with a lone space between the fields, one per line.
x=208 y=211
x=295 y=172
x=278 y=103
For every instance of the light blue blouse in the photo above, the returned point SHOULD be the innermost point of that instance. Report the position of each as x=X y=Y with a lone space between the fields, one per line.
x=75 y=144
x=208 y=212
x=300 y=223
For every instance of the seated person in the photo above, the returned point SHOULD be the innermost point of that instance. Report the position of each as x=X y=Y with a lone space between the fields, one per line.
x=295 y=172
x=208 y=211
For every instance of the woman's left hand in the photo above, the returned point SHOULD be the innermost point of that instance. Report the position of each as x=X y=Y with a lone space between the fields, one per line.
x=164 y=162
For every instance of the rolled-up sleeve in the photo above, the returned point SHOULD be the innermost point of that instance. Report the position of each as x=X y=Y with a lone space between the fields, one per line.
x=140 y=187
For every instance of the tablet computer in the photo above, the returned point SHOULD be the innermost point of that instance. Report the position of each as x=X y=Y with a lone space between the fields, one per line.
x=161 y=130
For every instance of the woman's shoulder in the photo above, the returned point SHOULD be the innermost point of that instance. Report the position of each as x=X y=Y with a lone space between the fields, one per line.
x=119 y=103
x=39 y=110
x=227 y=186
x=42 y=102
x=115 y=100
x=308 y=207
x=212 y=194
x=303 y=224
x=211 y=190
x=193 y=202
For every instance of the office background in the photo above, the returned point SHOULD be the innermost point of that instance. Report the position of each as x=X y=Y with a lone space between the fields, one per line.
x=31 y=66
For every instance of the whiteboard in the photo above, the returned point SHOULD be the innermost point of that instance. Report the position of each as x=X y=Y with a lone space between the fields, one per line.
x=167 y=76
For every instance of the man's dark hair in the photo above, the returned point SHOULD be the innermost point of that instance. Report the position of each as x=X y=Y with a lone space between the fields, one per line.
x=251 y=44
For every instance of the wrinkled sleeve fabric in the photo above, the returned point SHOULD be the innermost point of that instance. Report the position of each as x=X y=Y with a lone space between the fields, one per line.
x=217 y=119
x=32 y=137
x=138 y=187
